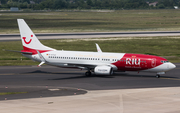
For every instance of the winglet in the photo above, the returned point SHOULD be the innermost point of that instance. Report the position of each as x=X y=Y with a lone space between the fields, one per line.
x=41 y=58
x=98 y=48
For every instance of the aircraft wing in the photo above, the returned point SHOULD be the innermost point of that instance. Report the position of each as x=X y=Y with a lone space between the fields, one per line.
x=81 y=66
x=86 y=66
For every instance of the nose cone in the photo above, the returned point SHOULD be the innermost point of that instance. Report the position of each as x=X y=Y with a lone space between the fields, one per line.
x=171 y=66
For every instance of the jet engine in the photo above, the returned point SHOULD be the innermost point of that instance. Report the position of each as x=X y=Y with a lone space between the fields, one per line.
x=103 y=70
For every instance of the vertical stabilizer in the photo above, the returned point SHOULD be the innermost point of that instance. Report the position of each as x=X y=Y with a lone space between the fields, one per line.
x=29 y=39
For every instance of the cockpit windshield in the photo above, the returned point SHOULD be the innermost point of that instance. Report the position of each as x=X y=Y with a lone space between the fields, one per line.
x=164 y=61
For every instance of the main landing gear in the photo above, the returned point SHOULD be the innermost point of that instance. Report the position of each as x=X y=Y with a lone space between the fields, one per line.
x=158 y=76
x=88 y=73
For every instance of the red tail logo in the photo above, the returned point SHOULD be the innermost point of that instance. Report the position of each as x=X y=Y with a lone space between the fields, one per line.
x=24 y=38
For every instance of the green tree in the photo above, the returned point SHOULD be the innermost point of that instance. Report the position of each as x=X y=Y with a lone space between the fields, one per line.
x=89 y=2
x=80 y=4
x=3 y=1
x=161 y=6
x=105 y=4
x=97 y=4
x=47 y=4
x=59 y=4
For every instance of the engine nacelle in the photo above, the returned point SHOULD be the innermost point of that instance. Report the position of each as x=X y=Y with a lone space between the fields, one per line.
x=103 y=70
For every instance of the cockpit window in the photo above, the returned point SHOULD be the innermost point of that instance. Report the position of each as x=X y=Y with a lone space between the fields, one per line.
x=164 y=61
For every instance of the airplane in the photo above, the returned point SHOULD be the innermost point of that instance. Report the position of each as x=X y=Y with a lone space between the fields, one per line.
x=100 y=63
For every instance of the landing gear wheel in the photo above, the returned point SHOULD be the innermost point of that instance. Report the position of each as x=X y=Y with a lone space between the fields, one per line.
x=88 y=73
x=158 y=76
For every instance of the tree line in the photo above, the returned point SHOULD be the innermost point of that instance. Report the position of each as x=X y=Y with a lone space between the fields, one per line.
x=88 y=4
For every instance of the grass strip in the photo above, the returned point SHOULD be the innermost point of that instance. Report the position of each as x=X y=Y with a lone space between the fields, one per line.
x=70 y=21
x=11 y=93
x=167 y=47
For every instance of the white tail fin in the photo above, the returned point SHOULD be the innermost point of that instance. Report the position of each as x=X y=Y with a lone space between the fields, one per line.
x=29 y=39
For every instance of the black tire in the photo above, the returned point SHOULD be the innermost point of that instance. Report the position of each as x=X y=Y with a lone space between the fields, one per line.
x=88 y=73
x=158 y=76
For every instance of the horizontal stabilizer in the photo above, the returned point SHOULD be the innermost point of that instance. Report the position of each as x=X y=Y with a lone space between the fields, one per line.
x=41 y=64
x=30 y=53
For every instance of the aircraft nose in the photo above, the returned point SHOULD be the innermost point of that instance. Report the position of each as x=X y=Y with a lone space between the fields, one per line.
x=171 y=66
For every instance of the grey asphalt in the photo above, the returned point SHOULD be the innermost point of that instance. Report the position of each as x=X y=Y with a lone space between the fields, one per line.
x=13 y=37
x=48 y=81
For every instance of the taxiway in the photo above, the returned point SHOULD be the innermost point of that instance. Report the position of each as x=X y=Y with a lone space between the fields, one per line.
x=12 y=37
x=55 y=90
x=40 y=79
